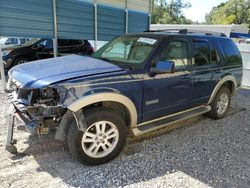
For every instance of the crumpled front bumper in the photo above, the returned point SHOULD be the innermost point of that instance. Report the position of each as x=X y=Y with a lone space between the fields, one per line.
x=15 y=116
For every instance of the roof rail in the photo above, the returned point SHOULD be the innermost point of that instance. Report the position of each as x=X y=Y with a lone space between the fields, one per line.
x=188 y=31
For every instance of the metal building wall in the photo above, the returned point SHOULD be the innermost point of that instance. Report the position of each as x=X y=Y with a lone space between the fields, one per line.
x=245 y=53
x=111 y=22
x=26 y=18
x=73 y=19
x=137 y=21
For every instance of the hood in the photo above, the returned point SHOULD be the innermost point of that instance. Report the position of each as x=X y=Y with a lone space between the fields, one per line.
x=45 y=72
x=11 y=47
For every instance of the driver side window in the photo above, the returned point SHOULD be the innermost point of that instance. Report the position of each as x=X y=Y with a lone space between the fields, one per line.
x=177 y=52
x=47 y=43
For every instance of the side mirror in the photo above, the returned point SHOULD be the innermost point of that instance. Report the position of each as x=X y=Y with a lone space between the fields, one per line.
x=40 y=46
x=162 y=67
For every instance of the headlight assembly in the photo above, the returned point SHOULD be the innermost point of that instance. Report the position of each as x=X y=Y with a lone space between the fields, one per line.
x=6 y=52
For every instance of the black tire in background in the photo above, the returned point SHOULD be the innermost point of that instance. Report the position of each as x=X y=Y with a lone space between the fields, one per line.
x=214 y=114
x=74 y=137
x=20 y=60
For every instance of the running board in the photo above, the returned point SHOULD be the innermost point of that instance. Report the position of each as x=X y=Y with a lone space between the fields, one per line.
x=169 y=120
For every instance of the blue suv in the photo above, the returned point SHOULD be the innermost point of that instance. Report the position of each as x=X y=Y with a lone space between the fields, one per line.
x=135 y=83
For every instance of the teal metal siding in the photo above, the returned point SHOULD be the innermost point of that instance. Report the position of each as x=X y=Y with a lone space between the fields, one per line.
x=137 y=21
x=75 y=19
x=27 y=18
x=110 y=22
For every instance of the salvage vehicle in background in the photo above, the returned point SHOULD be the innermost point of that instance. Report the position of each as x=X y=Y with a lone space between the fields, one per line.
x=135 y=83
x=42 y=49
x=11 y=41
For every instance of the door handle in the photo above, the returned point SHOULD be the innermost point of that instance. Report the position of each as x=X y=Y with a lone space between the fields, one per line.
x=185 y=76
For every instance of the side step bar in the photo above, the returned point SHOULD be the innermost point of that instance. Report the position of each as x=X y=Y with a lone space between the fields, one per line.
x=169 y=120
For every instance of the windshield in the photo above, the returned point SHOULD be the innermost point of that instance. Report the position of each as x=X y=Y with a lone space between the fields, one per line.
x=30 y=42
x=129 y=51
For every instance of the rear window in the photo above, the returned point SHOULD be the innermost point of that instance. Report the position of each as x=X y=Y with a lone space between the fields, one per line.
x=231 y=52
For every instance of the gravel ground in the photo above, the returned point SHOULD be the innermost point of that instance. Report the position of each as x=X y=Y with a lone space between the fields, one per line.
x=200 y=153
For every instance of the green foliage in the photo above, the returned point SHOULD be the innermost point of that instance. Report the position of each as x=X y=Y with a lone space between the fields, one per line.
x=231 y=12
x=166 y=12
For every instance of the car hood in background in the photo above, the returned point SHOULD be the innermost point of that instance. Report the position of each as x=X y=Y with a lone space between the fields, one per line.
x=45 y=72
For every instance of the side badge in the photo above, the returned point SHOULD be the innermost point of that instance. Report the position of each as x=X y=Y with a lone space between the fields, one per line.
x=152 y=102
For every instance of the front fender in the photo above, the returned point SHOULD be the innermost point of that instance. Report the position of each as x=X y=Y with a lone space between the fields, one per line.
x=106 y=97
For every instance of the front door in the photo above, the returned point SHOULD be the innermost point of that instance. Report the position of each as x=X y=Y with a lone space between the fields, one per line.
x=168 y=93
x=44 y=49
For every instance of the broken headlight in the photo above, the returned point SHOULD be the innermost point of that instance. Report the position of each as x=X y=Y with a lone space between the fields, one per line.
x=47 y=96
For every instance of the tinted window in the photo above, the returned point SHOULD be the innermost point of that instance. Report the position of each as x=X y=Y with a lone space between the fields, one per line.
x=215 y=58
x=201 y=54
x=62 y=42
x=48 y=43
x=75 y=42
x=22 y=40
x=11 y=41
x=177 y=52
x=232 y=54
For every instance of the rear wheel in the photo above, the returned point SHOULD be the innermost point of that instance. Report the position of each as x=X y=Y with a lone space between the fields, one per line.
x=220 y=104
x=103 y=140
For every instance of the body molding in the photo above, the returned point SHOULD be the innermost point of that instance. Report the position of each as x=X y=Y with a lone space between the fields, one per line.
x=220 y=83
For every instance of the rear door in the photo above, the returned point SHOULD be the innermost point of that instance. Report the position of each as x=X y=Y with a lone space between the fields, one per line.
x=66 y=47
x=206 y=69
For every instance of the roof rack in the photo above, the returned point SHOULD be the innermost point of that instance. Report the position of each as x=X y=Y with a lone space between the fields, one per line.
x=189 y=31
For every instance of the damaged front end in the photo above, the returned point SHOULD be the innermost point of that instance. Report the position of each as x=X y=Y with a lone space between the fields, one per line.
x=36 y=110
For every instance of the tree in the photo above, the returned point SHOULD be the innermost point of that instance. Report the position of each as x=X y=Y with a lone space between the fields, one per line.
x=231 y=12
x=165 y=12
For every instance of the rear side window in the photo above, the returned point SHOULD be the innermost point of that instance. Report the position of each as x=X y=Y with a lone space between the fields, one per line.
x=201 y=54
x=231 y=52
x=75 y=42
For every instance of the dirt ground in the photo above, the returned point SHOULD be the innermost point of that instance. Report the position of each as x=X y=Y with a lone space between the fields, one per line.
x=202 y=153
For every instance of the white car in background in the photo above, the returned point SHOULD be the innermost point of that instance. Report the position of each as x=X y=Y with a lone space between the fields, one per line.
x=11 y=41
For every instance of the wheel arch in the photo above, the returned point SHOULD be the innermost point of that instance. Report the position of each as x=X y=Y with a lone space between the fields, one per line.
x=107 y=97
x=229 y=81
x=86 y=101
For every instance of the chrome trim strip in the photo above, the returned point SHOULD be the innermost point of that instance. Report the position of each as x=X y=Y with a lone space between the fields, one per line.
x=224 y=67
x=106 y=96
x=171 y=115
x=137 y=132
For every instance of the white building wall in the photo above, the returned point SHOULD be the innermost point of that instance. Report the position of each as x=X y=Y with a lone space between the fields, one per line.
x=226 y=29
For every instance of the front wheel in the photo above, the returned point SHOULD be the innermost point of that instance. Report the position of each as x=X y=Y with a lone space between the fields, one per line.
x=103 y=140
x=20 y=60
x=220 y=104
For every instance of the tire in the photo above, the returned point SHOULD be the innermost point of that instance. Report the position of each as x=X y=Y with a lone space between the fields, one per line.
x=20 y=60
x=105 y=117
x=218 y=109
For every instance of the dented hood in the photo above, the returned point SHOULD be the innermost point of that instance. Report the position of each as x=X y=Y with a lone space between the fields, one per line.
x=45 y=72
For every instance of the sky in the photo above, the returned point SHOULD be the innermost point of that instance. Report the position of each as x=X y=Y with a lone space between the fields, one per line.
x=199 y=9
